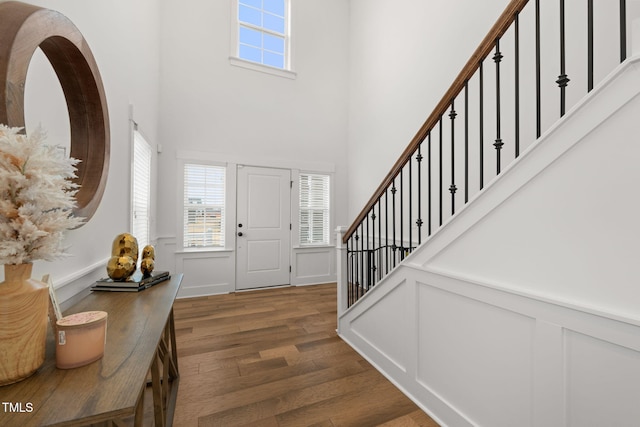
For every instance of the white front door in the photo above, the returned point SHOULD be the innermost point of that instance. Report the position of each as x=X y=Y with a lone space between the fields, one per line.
x=264 y=227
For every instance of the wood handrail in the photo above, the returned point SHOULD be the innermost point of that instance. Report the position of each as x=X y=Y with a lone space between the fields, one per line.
x=488 y=43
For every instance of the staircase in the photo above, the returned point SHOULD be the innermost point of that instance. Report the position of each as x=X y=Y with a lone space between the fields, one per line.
x=519 y=308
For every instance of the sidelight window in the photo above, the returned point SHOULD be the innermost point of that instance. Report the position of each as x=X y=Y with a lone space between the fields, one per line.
x=204 y=206
x=141 y=191
x=314 y=209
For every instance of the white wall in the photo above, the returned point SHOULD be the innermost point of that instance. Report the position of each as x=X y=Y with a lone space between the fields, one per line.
x=123 y=38
x=226 y=112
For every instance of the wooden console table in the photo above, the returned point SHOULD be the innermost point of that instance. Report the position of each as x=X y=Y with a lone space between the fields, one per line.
x=140 y=345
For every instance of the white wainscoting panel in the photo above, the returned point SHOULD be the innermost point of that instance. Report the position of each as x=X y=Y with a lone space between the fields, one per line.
x=206 y=273
x=472 y=354
x=476 y=353
x=313 y=265
x=602 y=382
x=387 y=328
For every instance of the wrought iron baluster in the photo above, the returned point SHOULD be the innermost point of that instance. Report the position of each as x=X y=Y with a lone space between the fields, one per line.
x=356 y=272
x=589 y=45
x=379 y=254
x=623 y=30
x=538 y=76
x=429 y=185
x=368 y=254
x=357 y=258
x=452 y=187
x=563 y=80
x=517 y=82
x=410 y=223
x=440 y=173
x=362 y=267
x=497 y=58
x=386 y=228
x=349 y=273
x=373 y=244
x=419 y=220
x=481 y=112
x=393 y=222
x=354 y=268
x=466 y=141
x=401 y=216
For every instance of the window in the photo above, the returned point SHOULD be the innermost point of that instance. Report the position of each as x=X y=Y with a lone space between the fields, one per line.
x=314 y=209
x=204 y=206
x=263 y=32
x=141 y=191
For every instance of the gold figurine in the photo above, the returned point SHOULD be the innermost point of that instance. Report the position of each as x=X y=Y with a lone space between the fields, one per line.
x=124 y=257
x=125 y=244
x=149 y=252
x=148 y=260
x=119 y=268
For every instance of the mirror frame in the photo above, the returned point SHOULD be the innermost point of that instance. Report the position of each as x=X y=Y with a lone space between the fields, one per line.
x=25 y=28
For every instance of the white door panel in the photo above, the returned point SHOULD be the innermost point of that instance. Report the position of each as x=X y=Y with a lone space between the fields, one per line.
x=263 y=229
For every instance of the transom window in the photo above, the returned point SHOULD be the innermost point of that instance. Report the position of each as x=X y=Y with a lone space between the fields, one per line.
x=263 y=32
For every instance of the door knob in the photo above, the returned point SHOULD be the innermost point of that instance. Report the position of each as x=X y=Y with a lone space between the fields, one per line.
x=240 y=234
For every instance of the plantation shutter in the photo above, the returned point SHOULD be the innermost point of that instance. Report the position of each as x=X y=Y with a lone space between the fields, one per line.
x=204 y=210
x=141 y=193
x=314 y=209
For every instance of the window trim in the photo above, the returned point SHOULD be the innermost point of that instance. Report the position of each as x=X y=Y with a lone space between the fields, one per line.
x=235 y=60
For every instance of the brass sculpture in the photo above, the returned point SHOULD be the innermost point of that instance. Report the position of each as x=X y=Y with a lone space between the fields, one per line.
x=125 y=244
x=148 y=260
x=124 y=257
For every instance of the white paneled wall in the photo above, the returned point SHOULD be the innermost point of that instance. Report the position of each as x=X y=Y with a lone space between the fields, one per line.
x=313 y=265
x=473 y=355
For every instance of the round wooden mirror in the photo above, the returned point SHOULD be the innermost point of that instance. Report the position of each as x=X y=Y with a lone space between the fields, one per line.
x=25 y=28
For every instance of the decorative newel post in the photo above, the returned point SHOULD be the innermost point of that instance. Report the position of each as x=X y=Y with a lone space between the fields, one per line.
x=341 y=253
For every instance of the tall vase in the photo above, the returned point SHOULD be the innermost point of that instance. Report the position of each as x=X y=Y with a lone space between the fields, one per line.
x=24 y=306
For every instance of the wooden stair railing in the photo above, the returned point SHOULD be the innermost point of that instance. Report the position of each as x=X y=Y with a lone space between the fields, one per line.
x=374 y=249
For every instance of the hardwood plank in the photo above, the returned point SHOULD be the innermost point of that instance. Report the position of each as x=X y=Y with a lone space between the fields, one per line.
x=272 y=358
x=414 y=419
x=293 y=399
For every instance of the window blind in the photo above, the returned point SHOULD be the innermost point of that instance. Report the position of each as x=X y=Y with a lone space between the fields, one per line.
x=141 y=193
x=314 y=209
x=204 y=209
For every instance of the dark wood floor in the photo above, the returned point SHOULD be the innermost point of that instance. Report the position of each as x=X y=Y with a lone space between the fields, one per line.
x=272 y=358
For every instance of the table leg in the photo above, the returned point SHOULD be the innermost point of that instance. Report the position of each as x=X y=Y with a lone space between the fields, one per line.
x=156 y=385
x=139 y=415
